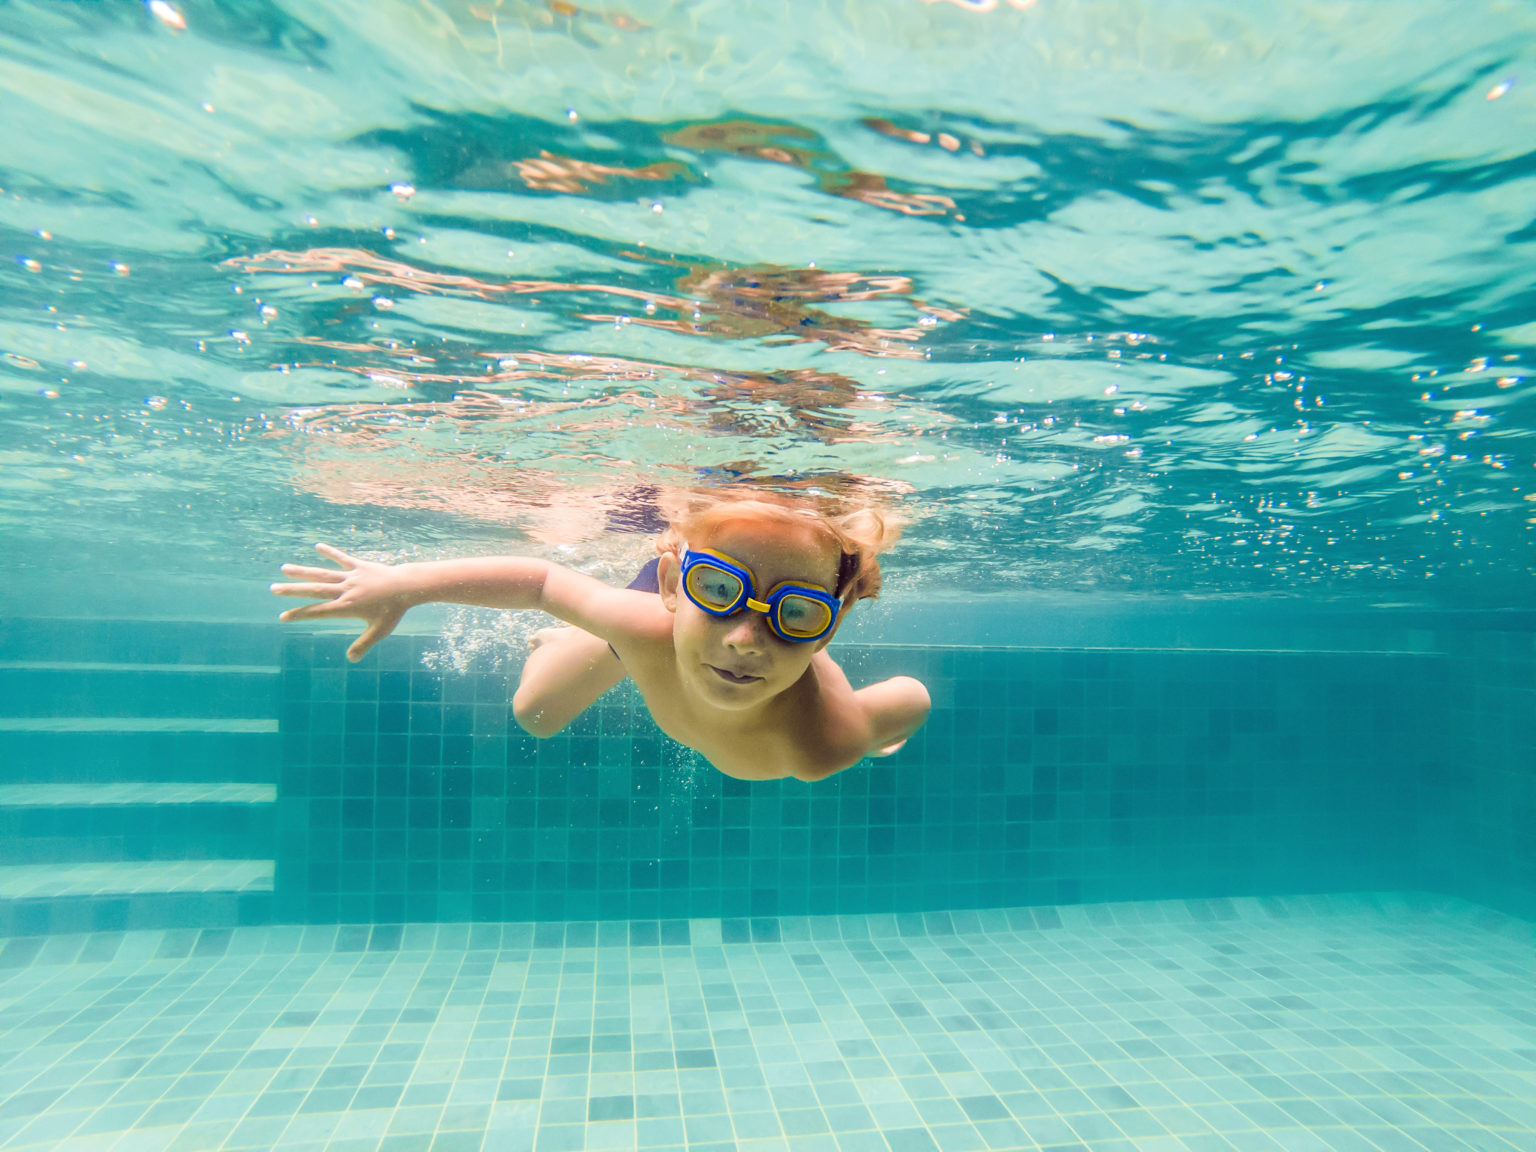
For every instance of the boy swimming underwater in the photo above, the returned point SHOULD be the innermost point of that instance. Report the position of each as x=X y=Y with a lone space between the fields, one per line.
x=728 y=652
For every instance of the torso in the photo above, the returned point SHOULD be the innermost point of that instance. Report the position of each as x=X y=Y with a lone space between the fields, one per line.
x=825 y=736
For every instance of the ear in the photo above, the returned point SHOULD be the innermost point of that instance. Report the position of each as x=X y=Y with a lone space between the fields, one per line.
x=668 y=572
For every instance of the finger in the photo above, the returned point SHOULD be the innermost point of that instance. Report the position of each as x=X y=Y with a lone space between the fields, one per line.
x=371 y=636
x=337 y=555
x=314 y=591
x=308 y=611
x=305 y=573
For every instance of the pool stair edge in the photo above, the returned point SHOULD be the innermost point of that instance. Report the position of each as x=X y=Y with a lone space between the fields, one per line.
x=135 y=793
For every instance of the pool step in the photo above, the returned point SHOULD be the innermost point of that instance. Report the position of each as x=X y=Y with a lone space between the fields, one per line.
x=46 y=823
x=138 y=641
x=48 y=689
x=99 y=795
x=117 y=725
x=138 y=776
x=45 y=899
x=135 y=878
x=105 y=720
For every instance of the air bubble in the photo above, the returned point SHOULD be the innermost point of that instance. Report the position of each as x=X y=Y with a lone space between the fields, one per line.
x=404 y=191
x=351 y=282
x=168 y=15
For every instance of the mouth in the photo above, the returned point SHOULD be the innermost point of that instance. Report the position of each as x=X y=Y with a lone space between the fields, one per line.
x=732 y=677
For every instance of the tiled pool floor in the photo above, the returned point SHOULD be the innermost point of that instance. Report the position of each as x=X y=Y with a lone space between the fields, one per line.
x=1385 y=1022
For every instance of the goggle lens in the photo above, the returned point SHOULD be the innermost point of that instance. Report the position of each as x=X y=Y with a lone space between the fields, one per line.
x=801 y=616
x=712 y=587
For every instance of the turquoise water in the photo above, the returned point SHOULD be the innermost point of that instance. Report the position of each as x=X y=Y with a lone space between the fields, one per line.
x=1141 y=297
x=1190 y=341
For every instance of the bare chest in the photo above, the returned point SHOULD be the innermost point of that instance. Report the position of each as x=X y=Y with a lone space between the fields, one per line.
x=809 y=748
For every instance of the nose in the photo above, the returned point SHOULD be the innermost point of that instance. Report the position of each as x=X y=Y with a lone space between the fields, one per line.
x=748 y=631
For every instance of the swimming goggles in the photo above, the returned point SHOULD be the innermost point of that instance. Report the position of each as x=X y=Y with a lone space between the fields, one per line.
x=720 y=586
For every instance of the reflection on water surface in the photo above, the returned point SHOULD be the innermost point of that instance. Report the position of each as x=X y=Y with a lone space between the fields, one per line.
x=1171 y=297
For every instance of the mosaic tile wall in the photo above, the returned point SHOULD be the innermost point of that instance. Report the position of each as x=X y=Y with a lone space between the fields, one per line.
x=1487 y=789
x=1043 y=777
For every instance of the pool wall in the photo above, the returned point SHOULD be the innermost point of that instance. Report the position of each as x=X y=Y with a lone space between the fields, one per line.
x=1042 y=777
x=1482 y=834
x=311 y=790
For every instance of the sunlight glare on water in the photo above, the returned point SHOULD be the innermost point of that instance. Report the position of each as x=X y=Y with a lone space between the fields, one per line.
x=1138 y=296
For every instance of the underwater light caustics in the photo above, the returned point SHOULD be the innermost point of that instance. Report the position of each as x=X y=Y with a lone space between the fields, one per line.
x=733 y=303
x=822 y=407
x=547 y=468
x=798 y=147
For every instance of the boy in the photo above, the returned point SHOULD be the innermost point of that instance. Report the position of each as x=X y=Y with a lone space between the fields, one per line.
x=728 y=648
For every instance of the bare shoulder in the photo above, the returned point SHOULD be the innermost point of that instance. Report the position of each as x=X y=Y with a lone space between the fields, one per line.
x=617 y=615
x=870 y=721
x=897 y=708
x=639 y=627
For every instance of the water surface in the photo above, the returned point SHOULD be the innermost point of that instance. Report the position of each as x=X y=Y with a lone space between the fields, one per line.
x=1126 y=297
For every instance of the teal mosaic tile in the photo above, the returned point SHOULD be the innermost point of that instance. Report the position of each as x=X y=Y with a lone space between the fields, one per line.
x=1043 y=776
x=1486 y=794
x=1335 y=1022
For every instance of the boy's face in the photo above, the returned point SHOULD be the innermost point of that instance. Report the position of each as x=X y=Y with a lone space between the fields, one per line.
x=736 y=662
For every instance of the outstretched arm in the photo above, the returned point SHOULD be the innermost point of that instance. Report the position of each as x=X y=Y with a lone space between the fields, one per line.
x=380 y=594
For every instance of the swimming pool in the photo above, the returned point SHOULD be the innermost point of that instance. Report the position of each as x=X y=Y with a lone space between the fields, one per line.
x=1190 y=343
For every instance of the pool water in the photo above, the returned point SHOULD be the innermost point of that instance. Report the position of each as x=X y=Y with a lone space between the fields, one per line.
x=1188 y=341
x=1121 y=298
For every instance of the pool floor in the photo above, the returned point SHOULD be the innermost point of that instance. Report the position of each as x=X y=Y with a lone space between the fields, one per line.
x=1393 y=1022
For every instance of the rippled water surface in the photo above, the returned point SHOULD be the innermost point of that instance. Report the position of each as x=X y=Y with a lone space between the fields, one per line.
x=1173 y=296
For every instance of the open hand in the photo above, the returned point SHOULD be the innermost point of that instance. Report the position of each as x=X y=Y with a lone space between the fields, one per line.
x=365 y=589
